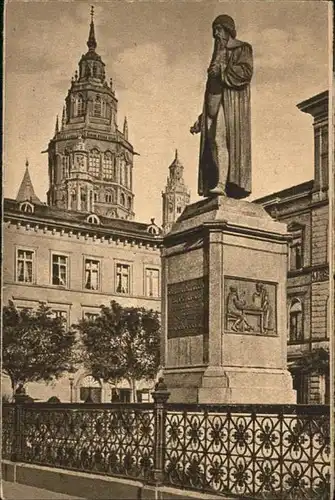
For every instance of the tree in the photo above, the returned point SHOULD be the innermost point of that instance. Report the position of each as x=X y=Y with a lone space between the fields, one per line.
x=36 y=346
x=121 y=343
x=316 y=361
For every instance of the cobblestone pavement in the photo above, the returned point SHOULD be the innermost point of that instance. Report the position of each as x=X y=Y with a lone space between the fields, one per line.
x=16 y=491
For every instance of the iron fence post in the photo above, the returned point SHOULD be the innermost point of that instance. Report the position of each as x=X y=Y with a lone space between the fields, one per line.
x=17 y=434
x=160 y=396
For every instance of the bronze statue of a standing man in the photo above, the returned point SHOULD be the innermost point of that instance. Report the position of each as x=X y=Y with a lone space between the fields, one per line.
x=225 y=123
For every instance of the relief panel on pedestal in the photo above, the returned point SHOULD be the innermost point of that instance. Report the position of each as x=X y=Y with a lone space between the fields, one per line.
x=250 y=306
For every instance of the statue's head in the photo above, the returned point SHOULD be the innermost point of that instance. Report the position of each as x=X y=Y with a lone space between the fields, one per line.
x=224 y=26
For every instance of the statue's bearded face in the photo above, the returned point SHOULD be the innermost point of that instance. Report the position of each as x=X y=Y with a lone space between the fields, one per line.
x=220 y=32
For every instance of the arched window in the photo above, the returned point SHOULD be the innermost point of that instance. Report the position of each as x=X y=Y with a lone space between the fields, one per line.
x=109 y=198
x=296 y=321
x=123 y=199
x=80 y=105
x=94 y=71
x=129 y=202
x=122 y=172
x=126 y=176
x=93 y=219
x=27 y=207
x=97 y=106
x=94 y=163
x=95 y=196
x=296 y=260
x=90 y=388
x=108 y=166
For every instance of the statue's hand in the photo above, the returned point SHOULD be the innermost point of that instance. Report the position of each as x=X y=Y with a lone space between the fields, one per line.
x=196 y=128
x=214 y=70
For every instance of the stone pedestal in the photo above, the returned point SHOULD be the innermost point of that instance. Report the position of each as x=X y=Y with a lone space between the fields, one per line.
x=224 y=305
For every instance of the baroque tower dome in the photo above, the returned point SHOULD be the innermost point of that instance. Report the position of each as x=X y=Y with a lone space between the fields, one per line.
x=97 y=177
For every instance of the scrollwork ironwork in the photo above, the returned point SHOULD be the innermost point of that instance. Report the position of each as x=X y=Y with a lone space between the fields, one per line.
x=251 y=455
x=116 y=441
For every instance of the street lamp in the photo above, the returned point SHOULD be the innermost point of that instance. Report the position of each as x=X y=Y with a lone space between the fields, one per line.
x=71 y=379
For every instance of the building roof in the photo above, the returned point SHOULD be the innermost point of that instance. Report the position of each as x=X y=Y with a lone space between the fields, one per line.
x=287 y=193
x=26 y=190
x=78 y=220
x=316 y=105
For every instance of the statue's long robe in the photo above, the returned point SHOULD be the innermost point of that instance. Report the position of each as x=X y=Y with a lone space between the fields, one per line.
x=234 y=86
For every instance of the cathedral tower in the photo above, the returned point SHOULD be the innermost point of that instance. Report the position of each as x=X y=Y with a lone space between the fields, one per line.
x=176 y=195
x=90 y=159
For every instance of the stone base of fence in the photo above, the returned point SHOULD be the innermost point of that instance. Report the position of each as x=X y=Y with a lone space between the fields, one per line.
x=80 y=484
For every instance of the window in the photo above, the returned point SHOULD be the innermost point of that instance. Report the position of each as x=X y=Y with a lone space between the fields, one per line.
x=93 y=219
x=152 y=282
x=60 y=314
x=178 y=210
x=300 y=384
x=65 y=167
x=123 y=278
x=109 y=198
x=108 y=166
x=80 y=105
x=27 y=207
x=328 y=318
x=95 y=196
x=324 y=389
x=94 y=163
x=92 y=271
x=90 y=316
x=125 y=395
x=296 y=321
x=153 y=229
x=126 y=175
x=296 y=251
x=90 y=390
x=143 y=396
x=123 y=199
x=324 y=157
x=59 y=270
x=97 y=106
x=24 y=266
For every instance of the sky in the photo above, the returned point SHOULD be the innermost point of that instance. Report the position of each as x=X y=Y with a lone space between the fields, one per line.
x=157 y=54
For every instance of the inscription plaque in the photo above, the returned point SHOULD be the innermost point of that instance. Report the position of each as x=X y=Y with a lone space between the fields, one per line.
x=250 y=306
x=186 y=308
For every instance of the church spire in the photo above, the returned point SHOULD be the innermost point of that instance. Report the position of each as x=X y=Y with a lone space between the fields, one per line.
x=56 y=126
x=176 y=195
x=63 y=117
x=91 y=42
x=26 y=190
x=125 y=128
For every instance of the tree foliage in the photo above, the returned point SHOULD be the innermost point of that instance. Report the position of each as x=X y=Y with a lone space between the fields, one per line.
x=122 y=342
x=316 y=361
x=36 y=346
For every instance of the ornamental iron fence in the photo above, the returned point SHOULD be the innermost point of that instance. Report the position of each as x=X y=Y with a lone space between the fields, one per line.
x=248 y=451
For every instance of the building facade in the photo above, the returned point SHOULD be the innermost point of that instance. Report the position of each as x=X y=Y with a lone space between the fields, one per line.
x=74 y=262
x=305 y=209
x=83 y=248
